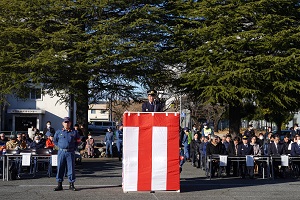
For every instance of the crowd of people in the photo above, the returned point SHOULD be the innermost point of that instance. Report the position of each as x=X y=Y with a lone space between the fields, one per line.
x=197 y=145
x=39 y=140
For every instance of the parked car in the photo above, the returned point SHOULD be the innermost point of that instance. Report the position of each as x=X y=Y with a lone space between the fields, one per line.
x=100 y=127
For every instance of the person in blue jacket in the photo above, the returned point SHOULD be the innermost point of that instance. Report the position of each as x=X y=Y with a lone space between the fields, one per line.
x=67 y=140
x=119 y=138
x=109 y=141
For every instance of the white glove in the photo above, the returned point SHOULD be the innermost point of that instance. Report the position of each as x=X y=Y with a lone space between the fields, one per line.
x=104 y=142
x=112 y=143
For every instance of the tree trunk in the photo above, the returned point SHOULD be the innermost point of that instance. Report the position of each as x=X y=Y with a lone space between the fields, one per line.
x=234 y=120
x=82 y=102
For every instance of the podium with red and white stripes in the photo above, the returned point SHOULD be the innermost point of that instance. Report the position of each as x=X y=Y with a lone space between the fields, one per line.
x=150 y=151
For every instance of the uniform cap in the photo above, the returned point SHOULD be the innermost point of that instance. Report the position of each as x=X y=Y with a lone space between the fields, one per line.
x=67 y=119
x=186 y=129
x=204 y=124
x=152 y=92
x=245 y=137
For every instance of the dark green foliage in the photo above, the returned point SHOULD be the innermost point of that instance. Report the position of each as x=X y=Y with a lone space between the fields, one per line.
x=243 y=51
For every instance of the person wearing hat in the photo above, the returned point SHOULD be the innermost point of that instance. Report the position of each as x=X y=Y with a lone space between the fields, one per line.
x=245 y=149
x=152 y=105
x=12 y=144
x=67 y=140
x=206 y=131
x=109 y=141
x=119 y=137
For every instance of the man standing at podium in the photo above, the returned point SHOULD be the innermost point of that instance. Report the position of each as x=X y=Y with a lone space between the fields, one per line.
x=152 y=105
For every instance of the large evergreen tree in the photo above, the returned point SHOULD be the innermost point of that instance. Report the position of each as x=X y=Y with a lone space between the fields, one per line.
x=239 y=51
x=91 y=49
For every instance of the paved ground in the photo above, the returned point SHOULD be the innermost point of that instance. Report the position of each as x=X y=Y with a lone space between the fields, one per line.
x=101 y=178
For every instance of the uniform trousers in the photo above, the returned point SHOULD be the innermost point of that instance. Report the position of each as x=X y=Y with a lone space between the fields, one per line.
x=120 y=147
x=65 y=160
x=109 y=146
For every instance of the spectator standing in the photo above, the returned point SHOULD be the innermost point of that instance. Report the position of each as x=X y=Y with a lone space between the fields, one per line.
x=109 y=141
x=233 y=151
x=66 y=140
x=48 y=130
x=194 y=129
x=78 y=129
x=294 y=130
x=276 y=149
x=195 y=151
x=227 y=142
x=202 y=148
x=249 y=132
x=286 y=144
x=214 y=147
x=186 y=143
x=206 y=130
x=119 y=138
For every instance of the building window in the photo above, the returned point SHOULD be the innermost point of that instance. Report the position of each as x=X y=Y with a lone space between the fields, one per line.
x=93 y=111
x=36 y=93
x=102 y=111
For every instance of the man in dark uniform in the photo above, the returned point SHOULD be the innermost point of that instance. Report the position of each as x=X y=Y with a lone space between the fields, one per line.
x=245 y=149
x=119 y=136
x=152 y=105
x=66 y=140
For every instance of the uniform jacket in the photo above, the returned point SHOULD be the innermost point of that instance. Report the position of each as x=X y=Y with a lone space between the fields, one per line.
x=243 y=150
x=295 y=149
x=66 y=139
x=109 y=137
x=119 y=135
x=154 y=107
x=276 y=151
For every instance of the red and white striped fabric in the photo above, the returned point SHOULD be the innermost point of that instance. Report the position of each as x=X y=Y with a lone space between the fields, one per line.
x=150 y=151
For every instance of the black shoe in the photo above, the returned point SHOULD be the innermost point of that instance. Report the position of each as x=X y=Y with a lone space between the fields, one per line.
x=59 y=187
x=71 y=187
x=119 y=158
x=180 y=169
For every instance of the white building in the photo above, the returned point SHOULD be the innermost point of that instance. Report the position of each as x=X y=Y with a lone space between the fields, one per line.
x=36 y=110
x=98 y=112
